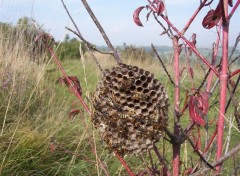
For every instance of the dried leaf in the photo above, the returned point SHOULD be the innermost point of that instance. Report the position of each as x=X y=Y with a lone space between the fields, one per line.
x=75 y=82
x=194 y=39
x=180 y=48
x=157 y=6
x=212 y=18
x=198 y=108
x=136 y=13
x=73 y=113
x=188 y=171
x=181 y=71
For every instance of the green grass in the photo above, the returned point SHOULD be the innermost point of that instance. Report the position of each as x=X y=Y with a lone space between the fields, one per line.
x=34 y=114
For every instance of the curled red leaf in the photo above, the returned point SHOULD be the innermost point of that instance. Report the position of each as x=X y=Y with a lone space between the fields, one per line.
x=181 y=71
x=136 y=13
x=230 y=3
x=198 y=108
x=75 y=82
x=73 y=113
x=158 y=5
x=212 y=18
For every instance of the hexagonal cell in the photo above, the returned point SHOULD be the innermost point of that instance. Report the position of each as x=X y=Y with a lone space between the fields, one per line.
x=138 y=99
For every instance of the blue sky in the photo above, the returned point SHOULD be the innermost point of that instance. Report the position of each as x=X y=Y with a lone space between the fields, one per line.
x=116 y=18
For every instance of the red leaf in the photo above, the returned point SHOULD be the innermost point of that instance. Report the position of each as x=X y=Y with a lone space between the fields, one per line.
x=194 y=41
x=180 y=48
x=136 y=18
x=188 y=171
x=212 y=18
x=75 y=82
x=198 y=108
x=230 y=3
x=181 y=71
x=73 y=113
x=157 y=6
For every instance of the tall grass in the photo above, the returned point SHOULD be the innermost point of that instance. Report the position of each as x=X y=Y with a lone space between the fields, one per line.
x=36 y=135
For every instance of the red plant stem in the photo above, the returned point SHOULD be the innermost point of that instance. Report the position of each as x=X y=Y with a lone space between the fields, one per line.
x=233 y=9
x=193 y=17
x=80 y=98
x=190 y=45
x=234 y=73
x=124 y=163
x=68 y=80
x=210 y=142
x=209 y=81
x=223 y=87
x=176 y=146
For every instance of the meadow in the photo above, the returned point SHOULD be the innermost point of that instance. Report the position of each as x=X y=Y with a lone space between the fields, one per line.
x=39 y=137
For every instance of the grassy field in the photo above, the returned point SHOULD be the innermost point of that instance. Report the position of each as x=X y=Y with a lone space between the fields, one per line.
x=37 y=137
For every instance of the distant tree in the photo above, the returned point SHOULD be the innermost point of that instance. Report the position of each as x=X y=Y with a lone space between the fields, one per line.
x=69 y=48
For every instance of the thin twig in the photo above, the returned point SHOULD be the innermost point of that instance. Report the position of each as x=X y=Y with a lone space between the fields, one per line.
x=88 y=44
x=191 y=46
x=108 y=42
x=203 y=82
x=161 y=159
x=234 y=47
x=193 y=17
x=159 y=58
x=196 y=150
x=160 y=23
x=232 y=93
x=234 y=151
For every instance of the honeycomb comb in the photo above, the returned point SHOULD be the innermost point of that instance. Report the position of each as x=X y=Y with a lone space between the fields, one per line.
x=130 y=109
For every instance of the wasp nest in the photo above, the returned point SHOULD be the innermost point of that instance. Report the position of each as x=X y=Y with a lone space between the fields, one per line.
x=130 y=109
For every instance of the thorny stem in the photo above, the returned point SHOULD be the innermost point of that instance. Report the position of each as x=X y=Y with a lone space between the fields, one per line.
x=191 y=46
x=90 y=12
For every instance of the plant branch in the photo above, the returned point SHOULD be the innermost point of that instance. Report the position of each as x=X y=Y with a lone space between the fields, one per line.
x=165 y=30
x=90 y=12
x=231 y=153
x=193 y=17
x=196 y=150
x=190 y=45
x=232 y=93
x=164 y=68
x=161 y=159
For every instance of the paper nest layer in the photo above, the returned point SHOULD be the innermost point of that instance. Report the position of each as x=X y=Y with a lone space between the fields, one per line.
x=130 y=109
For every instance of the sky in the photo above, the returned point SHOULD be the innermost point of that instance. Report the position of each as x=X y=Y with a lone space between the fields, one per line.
x=116 y=19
